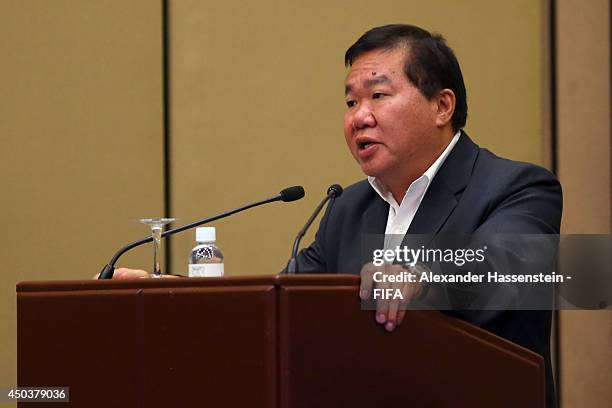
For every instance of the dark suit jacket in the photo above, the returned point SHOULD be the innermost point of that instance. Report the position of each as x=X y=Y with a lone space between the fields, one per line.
x=474 y=192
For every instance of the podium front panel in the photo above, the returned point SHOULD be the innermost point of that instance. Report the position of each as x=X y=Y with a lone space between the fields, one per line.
x=288 y=341
x=152 y=345
x=335 y=355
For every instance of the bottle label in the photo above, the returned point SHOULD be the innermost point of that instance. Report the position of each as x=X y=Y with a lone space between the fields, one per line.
x=205 y=270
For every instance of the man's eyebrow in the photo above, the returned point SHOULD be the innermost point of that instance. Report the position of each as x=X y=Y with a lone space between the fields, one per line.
x=381 y=79
x=369 y=83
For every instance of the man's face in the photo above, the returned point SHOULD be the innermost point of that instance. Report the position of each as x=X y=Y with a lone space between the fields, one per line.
x=389 y=125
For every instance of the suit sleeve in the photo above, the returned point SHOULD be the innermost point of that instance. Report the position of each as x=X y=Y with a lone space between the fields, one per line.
x=520 y=232
x=533 y=205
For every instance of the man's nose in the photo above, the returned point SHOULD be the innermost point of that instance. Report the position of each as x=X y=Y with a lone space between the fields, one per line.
x=364 y=118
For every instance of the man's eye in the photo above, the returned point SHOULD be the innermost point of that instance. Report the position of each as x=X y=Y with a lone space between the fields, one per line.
x=350 y=104
x=377 y=95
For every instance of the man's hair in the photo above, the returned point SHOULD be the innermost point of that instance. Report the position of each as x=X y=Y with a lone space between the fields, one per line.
x=430 y=64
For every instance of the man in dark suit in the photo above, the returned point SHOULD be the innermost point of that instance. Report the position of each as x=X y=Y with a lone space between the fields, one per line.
x=406 y=106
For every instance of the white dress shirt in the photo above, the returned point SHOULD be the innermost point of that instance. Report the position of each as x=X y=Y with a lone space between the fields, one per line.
x=400 y=216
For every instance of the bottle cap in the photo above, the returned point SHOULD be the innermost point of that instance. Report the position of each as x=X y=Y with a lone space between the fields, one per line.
x=206 y=234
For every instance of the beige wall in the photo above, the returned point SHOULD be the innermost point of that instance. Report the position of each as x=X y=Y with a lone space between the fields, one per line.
x=80 y=140
x=257 y=104
x=585 y=172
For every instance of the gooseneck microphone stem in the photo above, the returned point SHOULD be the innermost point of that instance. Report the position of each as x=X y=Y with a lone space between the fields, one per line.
x=296 y=243
x=333 y=192
x=186 y=227
x=289 y=194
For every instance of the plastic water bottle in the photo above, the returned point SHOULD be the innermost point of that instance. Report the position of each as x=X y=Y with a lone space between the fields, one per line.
x=206 y=258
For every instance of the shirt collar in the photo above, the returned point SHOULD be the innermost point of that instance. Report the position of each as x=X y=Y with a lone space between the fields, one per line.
x=429 y=174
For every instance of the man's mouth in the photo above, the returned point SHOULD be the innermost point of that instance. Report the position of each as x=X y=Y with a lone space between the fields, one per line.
x=365 y=145
x=366 y=149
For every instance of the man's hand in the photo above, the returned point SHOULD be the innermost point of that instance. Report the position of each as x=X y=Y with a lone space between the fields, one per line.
x=126 y=273
x=389 y=312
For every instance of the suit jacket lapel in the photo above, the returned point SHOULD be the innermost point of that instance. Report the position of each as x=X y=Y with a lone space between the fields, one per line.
x=437 y=205
x=441 y=197
x=374 y=225
x=375 y=216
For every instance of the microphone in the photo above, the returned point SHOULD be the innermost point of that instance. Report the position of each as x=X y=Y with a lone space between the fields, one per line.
x=291 y=194
x=287 y=195
x=334 y=191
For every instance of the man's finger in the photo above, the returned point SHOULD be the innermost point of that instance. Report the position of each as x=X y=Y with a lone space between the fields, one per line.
x=126 y=273
x=382 y=305
x=394 y=306
x=367 y=281
x=407 y=295
x=397 y=304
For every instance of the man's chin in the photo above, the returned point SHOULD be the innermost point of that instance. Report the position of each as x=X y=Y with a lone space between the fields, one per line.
x=371 y=171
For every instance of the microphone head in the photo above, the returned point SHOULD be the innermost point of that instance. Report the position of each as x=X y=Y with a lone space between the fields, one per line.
x=292 y=193
x=335 y=190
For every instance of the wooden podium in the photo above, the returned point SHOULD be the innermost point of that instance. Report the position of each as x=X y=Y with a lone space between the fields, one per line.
x=268 y=341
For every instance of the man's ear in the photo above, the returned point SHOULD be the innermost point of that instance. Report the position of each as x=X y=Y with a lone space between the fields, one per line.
x=445 y=107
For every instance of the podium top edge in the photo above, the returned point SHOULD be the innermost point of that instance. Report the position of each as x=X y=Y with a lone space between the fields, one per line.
x=258 y=280
x=319 y=279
